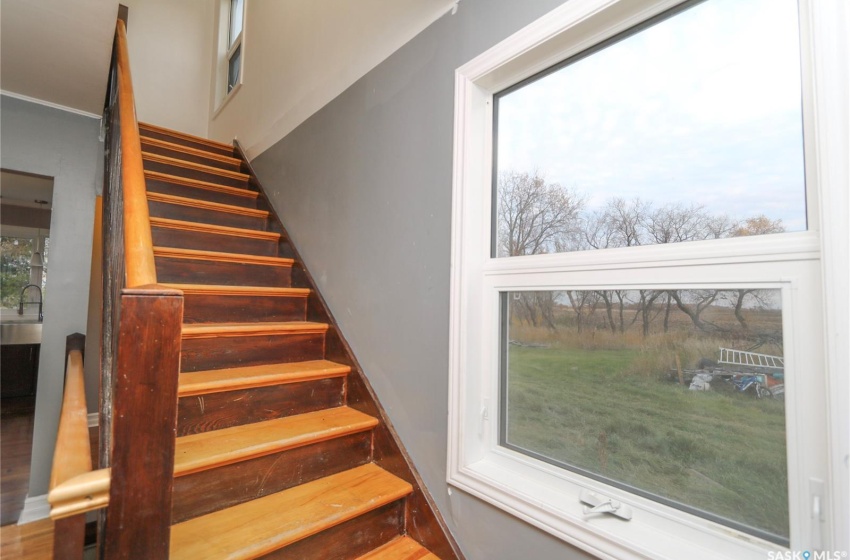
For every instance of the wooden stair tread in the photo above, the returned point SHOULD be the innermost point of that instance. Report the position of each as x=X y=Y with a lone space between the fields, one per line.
x=197 y=183
x=147 y=156
x=205 y=205
x=254 y=528
x=243 y=258
x=226 y=290
x=210 y=228
x=402 y=548
x=191 y=151
x=184 y=135
x=216 y=448
x=248 y=377
x=206 y=330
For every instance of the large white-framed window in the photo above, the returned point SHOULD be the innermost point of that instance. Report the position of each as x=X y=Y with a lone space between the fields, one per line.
x=498 y=288
x=231 y=50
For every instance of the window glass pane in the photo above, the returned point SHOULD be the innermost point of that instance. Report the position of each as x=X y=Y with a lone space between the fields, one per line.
x=236 y=14
x=15 y=270
x=233 y=68
x=677 y=395
x=689 y=129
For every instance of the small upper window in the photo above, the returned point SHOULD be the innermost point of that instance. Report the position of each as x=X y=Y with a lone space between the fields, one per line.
x=234 y=44
x=236 y=18
x=231 y=50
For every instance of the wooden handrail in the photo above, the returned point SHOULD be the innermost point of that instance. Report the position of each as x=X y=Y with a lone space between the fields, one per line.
x=85 y=492
x=138 y=243
x=74 y=487
x=73 y=447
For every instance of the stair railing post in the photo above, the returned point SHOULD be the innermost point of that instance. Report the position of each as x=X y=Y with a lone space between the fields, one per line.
x=138 y=521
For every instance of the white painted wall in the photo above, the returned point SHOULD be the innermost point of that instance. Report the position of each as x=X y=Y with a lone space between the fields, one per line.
x=171 y=46
x=301 y=54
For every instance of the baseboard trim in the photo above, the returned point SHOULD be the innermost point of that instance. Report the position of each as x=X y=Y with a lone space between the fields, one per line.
x=35 y=508
x=93 y=419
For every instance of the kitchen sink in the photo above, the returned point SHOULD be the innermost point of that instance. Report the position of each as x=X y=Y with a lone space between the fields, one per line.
x=20 y=332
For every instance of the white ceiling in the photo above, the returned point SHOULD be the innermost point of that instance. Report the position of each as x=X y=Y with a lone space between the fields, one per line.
x=25 y=189
x=57 y=51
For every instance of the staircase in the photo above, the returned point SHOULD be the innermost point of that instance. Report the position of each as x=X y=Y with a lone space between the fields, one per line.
x=282 y=450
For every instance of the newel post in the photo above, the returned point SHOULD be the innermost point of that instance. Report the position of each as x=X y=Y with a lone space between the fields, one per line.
x=138 y=519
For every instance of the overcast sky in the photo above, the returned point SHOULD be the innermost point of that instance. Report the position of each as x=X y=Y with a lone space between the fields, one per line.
x=703 y=107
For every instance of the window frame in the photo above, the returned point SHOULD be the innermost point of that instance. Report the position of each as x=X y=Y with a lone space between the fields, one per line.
x=795 y=262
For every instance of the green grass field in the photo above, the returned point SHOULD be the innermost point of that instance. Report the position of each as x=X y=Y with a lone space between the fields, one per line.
x=721 y=452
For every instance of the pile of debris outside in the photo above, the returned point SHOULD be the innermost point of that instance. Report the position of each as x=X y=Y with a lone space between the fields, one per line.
x=760 y=375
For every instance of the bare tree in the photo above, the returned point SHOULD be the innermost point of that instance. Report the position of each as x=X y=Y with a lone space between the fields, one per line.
x=533 y=215
x=700 y=300
x=719 y=226
x=536 y=217
x=647 y=300
x=583 y=303
x=625 y=220
x=673 y=223
x=608 y=299
x=597 y=232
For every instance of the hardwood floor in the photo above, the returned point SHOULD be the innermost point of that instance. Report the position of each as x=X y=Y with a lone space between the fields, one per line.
x=16 y=421
x=33 y=541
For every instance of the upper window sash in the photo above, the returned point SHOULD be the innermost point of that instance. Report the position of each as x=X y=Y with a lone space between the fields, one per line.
x=235 y=23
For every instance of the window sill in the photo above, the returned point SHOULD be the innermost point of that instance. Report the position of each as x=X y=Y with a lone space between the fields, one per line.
x=548 y=498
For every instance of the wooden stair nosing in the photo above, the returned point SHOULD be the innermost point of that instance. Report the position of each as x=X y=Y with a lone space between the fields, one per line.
x=205 y=205
x=201 y=227
x=184 y=136
x=214 y=330
x=401 y=548
x=156 y=158
x=241 y=258
x=197 y=183
x=250 y=377
x=260 y=526
x=216 y=448
x=190 y=151
x=227 y=290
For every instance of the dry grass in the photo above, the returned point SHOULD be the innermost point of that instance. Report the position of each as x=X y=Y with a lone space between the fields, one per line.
x=655 y=354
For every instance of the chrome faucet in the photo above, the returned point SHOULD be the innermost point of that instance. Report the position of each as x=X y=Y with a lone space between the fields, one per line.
x=21 y=302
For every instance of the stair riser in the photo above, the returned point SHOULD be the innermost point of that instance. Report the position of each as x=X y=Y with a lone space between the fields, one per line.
x=177 y=271
x=202 y=215
x=215 y=411
x=242 y=309
x=145 y=133
x=223 y=352
x=165 y=187
x=168 y=237
x=195 y=174
x=207 y=491
x=195 y=158
x=348 y=540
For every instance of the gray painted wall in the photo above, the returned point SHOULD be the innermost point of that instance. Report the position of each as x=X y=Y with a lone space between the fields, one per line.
x=65 y=146
x=364 y=187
